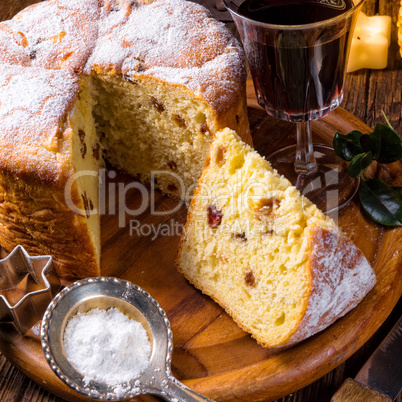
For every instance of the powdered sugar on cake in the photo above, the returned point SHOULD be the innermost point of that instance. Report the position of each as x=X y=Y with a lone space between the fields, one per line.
x=341 y=276
x=32 y=122
x=175 y=41
x=53 y=34
x=172 y=40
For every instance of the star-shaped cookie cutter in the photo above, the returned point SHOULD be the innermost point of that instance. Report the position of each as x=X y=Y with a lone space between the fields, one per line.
x=27 y=286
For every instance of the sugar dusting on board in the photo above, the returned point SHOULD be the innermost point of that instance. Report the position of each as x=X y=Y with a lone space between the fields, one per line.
x=106 y=346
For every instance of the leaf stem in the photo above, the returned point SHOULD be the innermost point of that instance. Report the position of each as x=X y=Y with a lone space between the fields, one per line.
x=362 y=175
x=386 y=119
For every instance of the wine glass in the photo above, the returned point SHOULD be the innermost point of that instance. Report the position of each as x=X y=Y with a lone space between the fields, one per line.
x=297 y=52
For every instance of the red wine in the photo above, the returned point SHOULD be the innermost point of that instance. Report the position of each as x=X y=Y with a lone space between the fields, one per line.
x=298 y=73
x=293 y=12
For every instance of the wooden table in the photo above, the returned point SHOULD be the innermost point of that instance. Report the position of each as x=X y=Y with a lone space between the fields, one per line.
x=367 y=94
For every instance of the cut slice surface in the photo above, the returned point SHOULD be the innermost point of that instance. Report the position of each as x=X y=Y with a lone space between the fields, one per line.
x=264 y=252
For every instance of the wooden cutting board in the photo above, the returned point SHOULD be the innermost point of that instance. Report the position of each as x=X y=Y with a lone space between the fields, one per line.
x=212 y=354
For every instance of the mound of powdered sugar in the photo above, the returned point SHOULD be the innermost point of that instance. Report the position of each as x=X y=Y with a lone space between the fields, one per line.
x=107 y=346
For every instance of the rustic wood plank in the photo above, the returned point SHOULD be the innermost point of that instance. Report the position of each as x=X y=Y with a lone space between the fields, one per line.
x=9 y=8
x=353 y=391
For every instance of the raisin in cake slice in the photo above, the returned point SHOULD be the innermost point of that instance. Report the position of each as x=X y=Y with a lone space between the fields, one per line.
x=267 y=255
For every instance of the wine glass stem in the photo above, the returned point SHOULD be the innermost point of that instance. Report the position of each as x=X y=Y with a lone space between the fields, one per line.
x=305 y=160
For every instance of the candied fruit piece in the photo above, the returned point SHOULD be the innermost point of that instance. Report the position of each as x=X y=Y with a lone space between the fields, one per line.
x=223 y=259
x=88 y=205
x=239 y=236
x=157 y=104
x=83 y=150
x=96 y=151
x=66 y=56
x=268 y=232
x=172 y=165
x=266 y=208
x=21 y=39
x=179 y=121
x=205 y=129
x=59 y=37
x=81 y=135
x=130 y=79
x=249 y=278
x=220 y=155
x=214 y=216
x=141 y=68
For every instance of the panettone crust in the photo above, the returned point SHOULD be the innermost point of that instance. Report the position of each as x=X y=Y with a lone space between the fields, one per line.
x=35 y=215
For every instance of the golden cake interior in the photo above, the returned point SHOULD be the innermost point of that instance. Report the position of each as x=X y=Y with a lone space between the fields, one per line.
x=87 y=160
x=246 y=243
x=148 y=127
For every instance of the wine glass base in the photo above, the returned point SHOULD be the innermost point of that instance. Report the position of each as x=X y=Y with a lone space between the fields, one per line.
x=329 y=187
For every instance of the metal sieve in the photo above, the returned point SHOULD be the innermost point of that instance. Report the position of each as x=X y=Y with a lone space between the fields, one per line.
x=137 y=304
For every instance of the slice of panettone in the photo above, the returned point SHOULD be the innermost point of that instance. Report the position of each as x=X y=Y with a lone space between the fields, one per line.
x=267 y=255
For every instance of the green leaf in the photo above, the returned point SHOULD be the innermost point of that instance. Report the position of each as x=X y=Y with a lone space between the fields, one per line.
x=398 y=190
x=367 y=159
x=359 y=163
x=347 y=146
x=371 y=142
x=391 y=144
x=381 y=202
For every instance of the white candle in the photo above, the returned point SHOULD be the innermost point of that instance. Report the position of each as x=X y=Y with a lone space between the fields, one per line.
x=370 y=42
